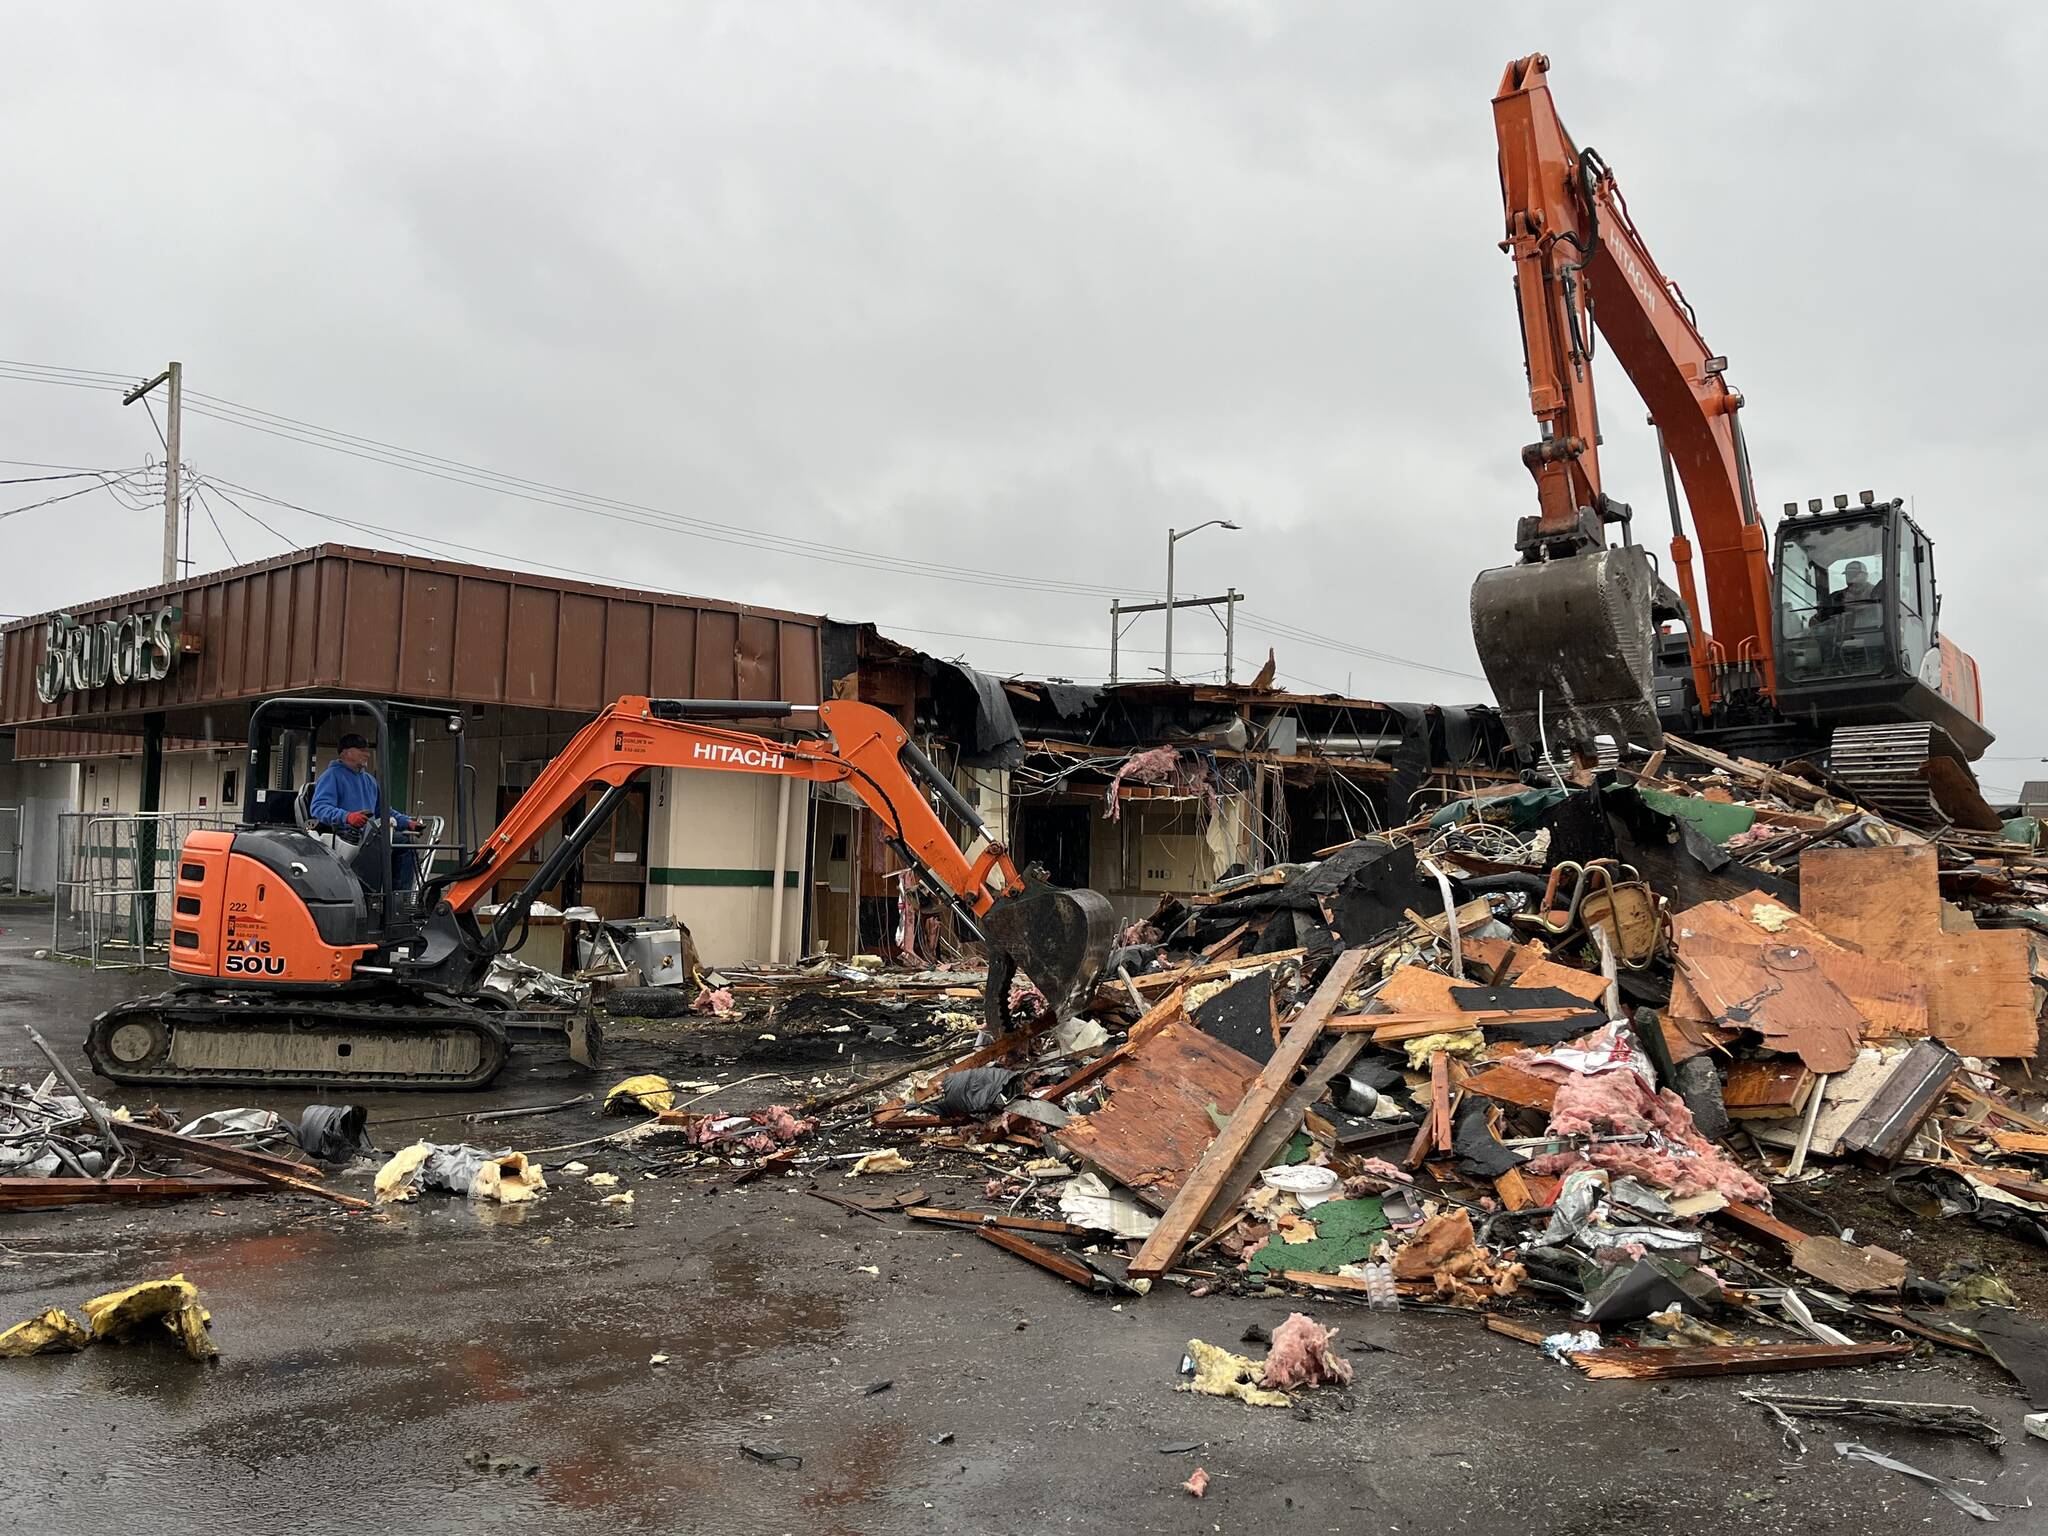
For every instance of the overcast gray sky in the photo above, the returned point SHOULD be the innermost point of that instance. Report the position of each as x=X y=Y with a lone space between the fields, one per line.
x=1008 y=290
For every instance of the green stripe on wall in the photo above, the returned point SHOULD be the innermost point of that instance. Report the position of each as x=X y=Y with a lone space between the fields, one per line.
x=757 y=877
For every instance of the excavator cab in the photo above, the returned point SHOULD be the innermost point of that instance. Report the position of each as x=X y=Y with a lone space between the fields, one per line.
x=1857 y=612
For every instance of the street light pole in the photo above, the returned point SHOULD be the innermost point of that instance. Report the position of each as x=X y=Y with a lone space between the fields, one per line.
x=1173 y=537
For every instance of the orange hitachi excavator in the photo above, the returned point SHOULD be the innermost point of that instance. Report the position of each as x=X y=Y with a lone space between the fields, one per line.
x=1830 y=651
x=311 y=962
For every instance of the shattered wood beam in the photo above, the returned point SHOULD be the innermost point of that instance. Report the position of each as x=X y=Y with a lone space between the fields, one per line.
x=1153 y=981
x=1069 y=1269
x=1735 y=1360
x=255 y=1165
x=1275 y=1081
x=1765 y=778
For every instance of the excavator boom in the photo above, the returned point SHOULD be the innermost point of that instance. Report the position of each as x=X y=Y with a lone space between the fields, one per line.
x=1568 y=646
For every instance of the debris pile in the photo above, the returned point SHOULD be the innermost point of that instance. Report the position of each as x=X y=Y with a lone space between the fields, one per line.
x=1576 y=1051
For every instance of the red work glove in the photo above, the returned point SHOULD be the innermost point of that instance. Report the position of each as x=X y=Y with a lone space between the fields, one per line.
x=357 y=818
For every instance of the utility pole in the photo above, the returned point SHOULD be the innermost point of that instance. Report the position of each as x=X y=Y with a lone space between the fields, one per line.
x=174 y=376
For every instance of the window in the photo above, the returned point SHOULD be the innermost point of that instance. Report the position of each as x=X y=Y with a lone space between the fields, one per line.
x=1916 y=606
x=1831 y=601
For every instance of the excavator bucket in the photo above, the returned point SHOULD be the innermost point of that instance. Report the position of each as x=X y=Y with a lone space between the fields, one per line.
x=1568 y=645
x=1059 y=938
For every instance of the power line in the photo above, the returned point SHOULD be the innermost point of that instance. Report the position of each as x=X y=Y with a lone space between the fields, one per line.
x=101 y=484
x=480 y=477
x=207 y=507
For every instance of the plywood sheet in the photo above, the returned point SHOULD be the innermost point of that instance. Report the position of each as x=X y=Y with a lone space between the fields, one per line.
x=1891 y=998
x=1887 y=903
x=1780 y=991
x=1156 y=1124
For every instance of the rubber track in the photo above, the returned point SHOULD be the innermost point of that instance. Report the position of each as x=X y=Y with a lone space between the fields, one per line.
x=257 y=1013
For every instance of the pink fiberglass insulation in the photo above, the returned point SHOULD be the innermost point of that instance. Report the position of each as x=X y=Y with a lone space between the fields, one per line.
x=1301 y=1356
x=1620 y=1104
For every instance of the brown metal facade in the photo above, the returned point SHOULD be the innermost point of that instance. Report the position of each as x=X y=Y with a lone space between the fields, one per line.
x=360 y=621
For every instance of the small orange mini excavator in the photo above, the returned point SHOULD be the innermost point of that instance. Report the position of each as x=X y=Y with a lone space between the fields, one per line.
x=307 y=963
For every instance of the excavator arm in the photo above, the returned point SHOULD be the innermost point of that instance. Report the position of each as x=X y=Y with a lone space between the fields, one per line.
x=1060 y=938
x=1581 y=266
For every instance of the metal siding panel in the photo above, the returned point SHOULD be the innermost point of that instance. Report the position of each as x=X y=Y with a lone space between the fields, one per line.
x=628 y=627
x=755 y=673
x=328 y=635
x=226 y=677
x=249 y=658
x=717 y=644
x=673 y=672
x=371 y=609
x=482 y=609
x=801 y=667
x=530 y=646
x=426 y=660
x=579 y=647
x=305 y=626
x=277 y=645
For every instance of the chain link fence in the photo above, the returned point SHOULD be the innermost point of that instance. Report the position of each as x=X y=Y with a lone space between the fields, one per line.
x=115 y=873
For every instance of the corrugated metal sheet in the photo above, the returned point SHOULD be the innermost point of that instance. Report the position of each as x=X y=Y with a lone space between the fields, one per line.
x=361 y=621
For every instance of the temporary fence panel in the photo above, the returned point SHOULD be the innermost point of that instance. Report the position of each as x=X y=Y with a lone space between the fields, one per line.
x=10 y=849
x=115 y=878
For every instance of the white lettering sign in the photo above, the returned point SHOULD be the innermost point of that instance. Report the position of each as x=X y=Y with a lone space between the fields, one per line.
x=141 y=648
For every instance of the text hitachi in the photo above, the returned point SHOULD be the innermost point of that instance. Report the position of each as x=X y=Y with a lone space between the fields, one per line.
x=737 y=757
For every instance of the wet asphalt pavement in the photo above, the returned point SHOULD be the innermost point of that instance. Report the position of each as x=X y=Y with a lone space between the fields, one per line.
x=365 y=1358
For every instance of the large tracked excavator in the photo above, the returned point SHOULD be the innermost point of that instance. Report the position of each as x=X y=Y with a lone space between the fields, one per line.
x=1825 y=646
x=310 y=962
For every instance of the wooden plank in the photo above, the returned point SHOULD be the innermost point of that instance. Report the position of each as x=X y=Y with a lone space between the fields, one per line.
x=255 y=1165
x=1280 y=1127
x=945 y=1218
x=27 y=1193
x=1734 y=1360
x=1514 y=1191
x=1758 y=1222
x=1506 y=1083
x=1527 y=1333
x=1386 y=1028
x=1226 y=947
x=1177 y=1225
x=2025 y=1143
x=2006 y=1112
x=1068 y=1268
x=1214 y=970
x=1440 y=1100
x=1850 y=1269
x=1887 y=903
x=1152 y=1133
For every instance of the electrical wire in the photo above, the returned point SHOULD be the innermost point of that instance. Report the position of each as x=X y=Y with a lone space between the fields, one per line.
x=641 y=515
x=207 y=507
x=84 y=490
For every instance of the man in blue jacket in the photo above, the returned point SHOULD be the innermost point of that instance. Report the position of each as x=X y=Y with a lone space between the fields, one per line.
x=347 y=797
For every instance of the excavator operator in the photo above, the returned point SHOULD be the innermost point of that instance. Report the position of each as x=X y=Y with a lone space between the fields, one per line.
x=347 y=798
